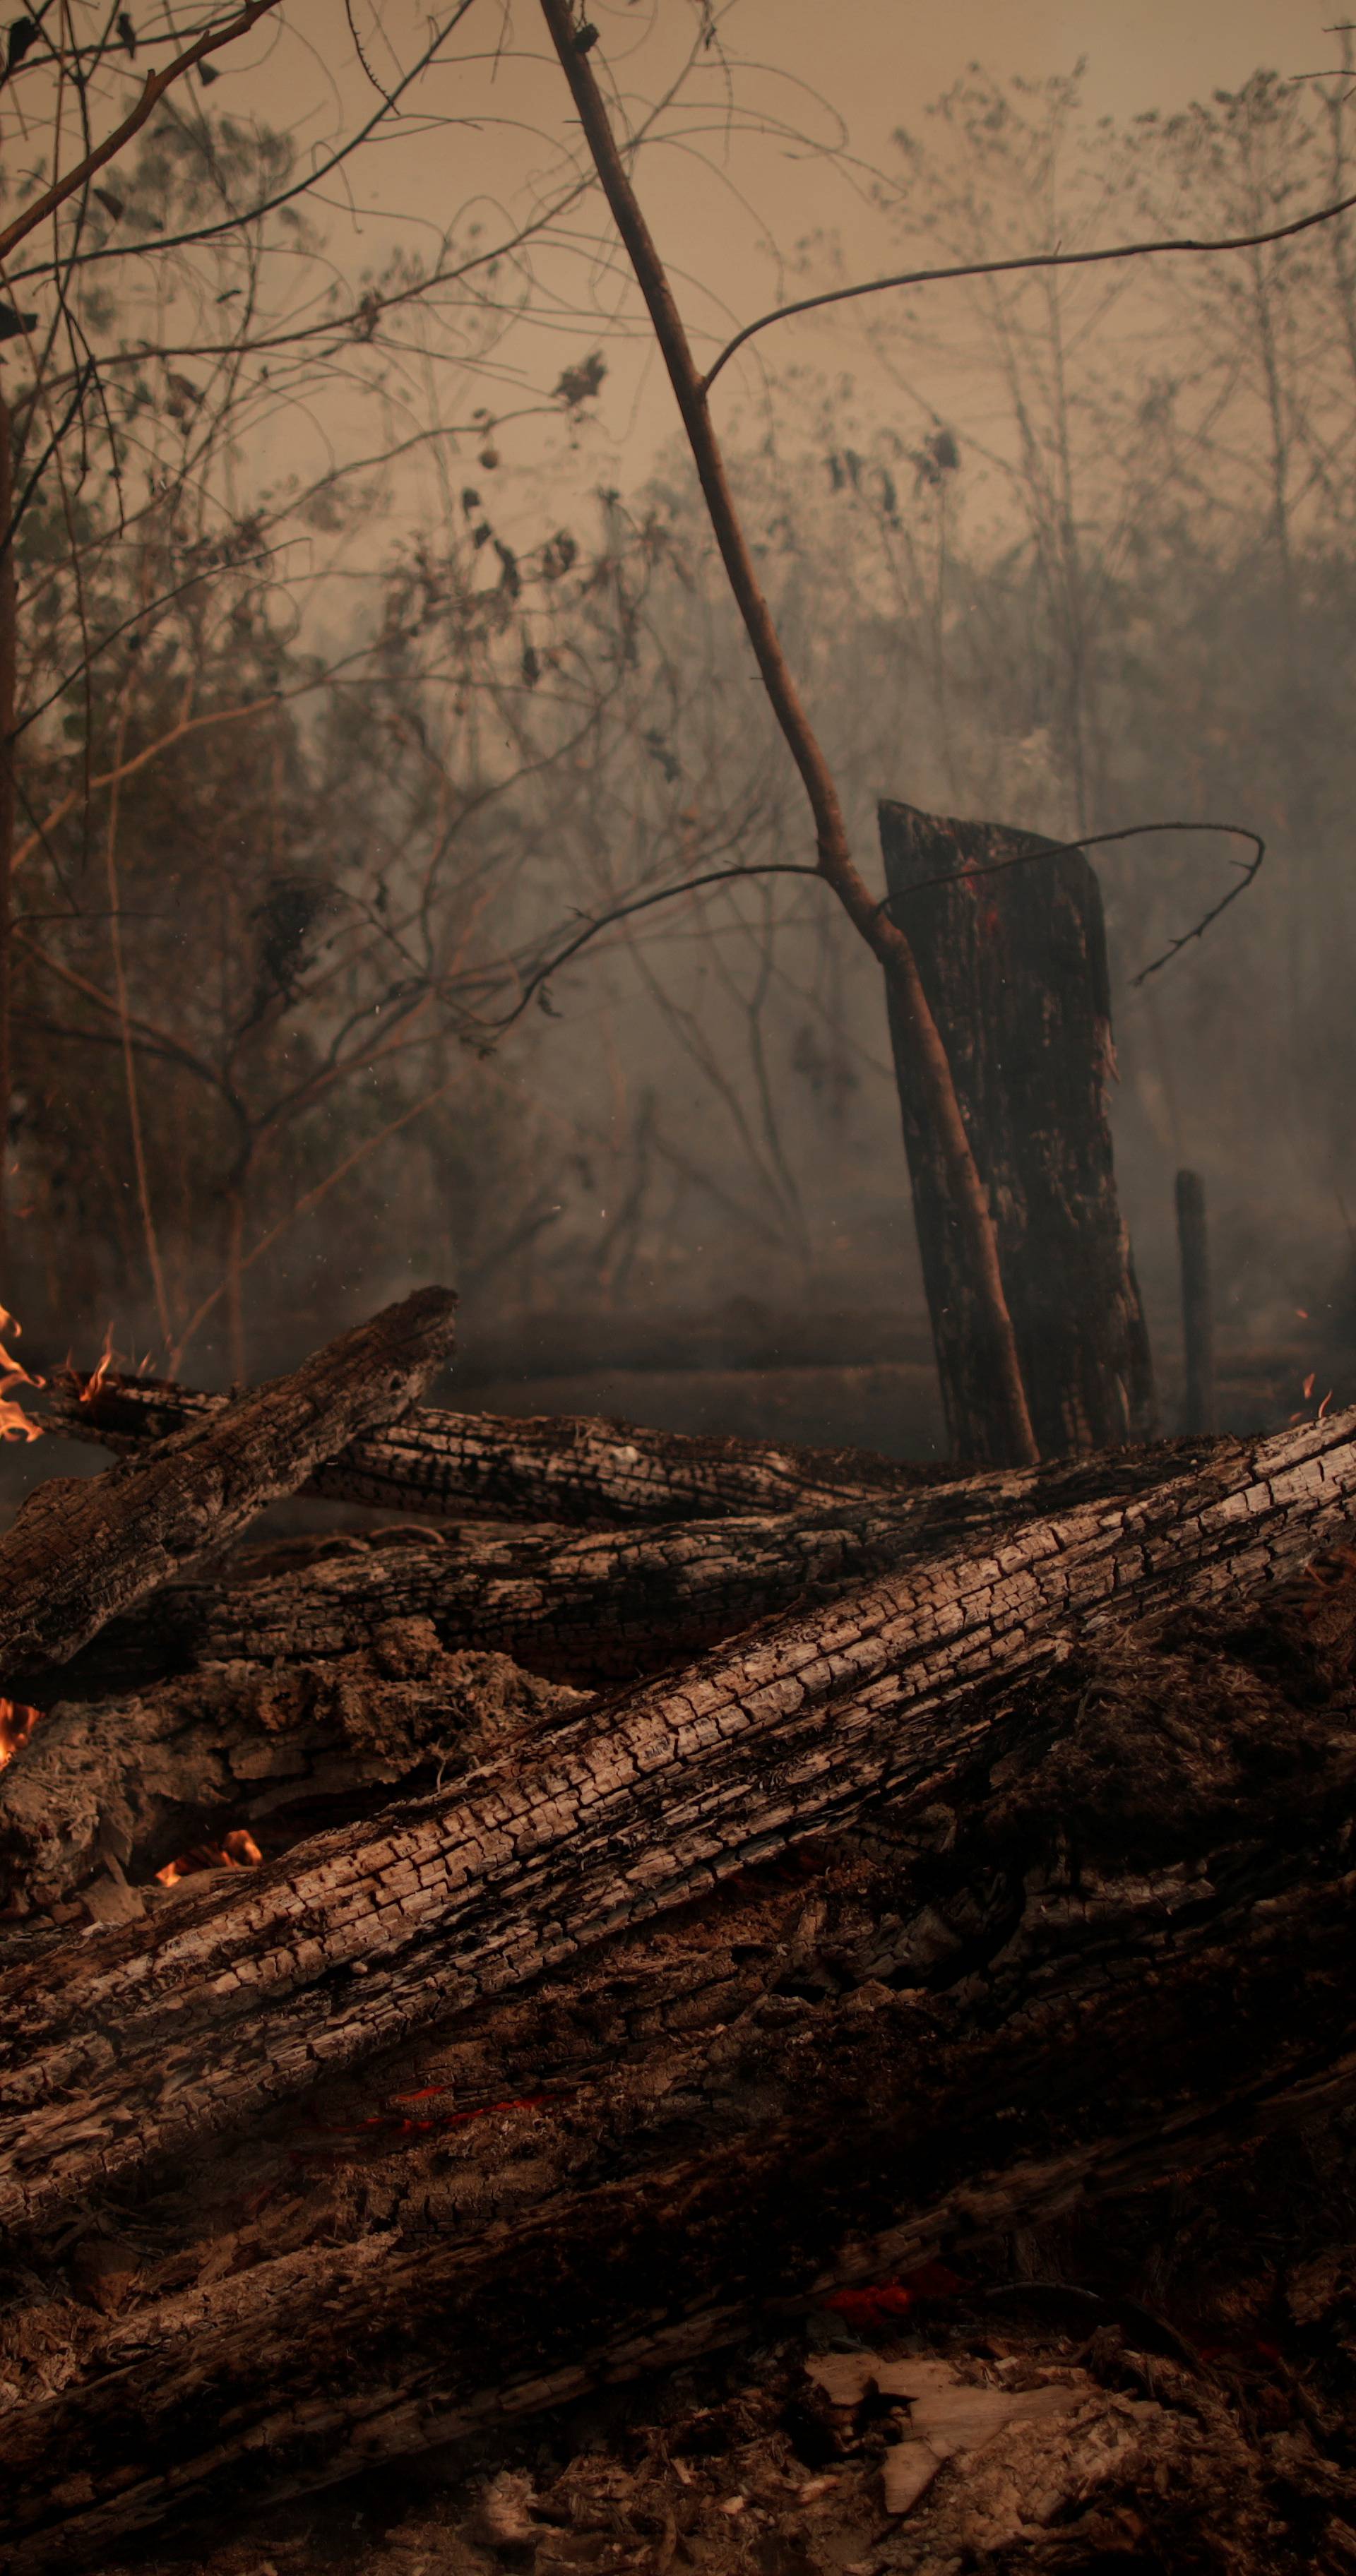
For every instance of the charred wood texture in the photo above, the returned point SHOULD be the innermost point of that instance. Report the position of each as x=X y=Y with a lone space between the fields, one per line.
x=566 y=1469
x=304 y=1661
x=82 y=1550
x=1074 y=1971
x=607 y=1606
x=1013 y=959
x=138 y=1778
x=142 y=2042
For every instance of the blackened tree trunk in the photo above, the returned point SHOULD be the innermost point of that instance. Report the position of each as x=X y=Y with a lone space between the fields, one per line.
x=1198 y=1335
x=1013 y=960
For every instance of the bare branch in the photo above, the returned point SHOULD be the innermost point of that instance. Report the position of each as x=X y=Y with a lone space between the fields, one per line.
x=1097 y=841
x=1028 y=261
x=269 y=205
x=154 y=88
x=837 y=865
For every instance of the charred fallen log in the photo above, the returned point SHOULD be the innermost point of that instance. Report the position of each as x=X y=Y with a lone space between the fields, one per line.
x=249 y=1701
x=567 y=1469
x=611 y=1605
x=601 y=1605
x=137 y=2043
x=81 y=1550
x=1076 y=1975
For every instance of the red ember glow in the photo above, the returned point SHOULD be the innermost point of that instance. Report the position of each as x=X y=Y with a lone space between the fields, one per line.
x=17 y=1722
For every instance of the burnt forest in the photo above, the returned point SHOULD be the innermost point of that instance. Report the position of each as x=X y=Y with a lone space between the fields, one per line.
x=678 y=1274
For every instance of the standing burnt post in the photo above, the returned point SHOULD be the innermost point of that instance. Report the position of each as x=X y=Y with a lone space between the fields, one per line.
x=1014 y=967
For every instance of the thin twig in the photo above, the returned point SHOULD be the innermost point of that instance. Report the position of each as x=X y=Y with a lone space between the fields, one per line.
x=1096 y=841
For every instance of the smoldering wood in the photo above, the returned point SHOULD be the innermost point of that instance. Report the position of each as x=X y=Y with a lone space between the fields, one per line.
x=1074 y=1976
x=1014 y=966
x=140 y=2043
x=561 y=1468
x=301 y=1662
x=299 y=1657
x=1198 y=1321
x=80 y=1550
x=608 y=1606
x=138 y=1779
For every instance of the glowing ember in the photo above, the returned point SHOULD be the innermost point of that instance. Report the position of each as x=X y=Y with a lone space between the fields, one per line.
x=237 y=1850
x=14 y=1422
x=17 y=1722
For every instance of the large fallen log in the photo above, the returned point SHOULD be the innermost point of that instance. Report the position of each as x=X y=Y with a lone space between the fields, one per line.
x=135 y=2044
x=549 y=1468
x=1076 y=1977
x=80 y=1550
x=606 y=1605
x=253 y=1643
x=743 y=1335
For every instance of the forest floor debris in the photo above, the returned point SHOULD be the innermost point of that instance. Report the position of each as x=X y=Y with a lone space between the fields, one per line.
x=1008 y=2426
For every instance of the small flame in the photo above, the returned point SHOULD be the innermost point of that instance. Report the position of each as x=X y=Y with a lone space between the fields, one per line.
x=14 y=1422
x=1325 y=1404
x=94 y=1381
x=17 y=1722
x=83 y=1385
x=237 y=1850
x=1309 y=1384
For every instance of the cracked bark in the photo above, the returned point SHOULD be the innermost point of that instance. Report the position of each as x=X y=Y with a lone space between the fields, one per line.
x=567 y=1468
x=611 y=1605
x=1077 y=1975
x=253 y=1704
x=79 y=1551
x=147 y=2041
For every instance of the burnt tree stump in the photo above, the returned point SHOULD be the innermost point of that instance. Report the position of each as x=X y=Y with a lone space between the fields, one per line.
x=1014 y=966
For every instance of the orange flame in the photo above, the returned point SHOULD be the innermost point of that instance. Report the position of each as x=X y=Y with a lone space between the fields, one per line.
x=17 y=1722
x=14 y=1422
x=237 y=1850
x=104 y=1363
x=85 y=1386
